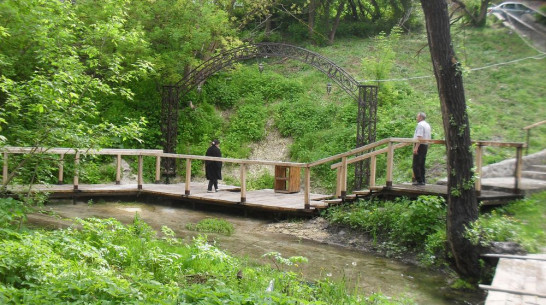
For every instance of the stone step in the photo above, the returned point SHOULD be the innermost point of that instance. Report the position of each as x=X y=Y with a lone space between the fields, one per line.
x=538 y=168
x=506 y=184
x=534 y=175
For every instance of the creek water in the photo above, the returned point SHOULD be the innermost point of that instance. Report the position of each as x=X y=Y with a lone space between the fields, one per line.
x=363 y=272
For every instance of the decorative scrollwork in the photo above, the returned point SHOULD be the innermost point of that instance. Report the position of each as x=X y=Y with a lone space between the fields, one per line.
x=264 y=50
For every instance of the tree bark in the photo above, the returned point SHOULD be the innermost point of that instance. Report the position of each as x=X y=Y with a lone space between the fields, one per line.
x=332 y=34
x=312 y=9
x=462 y=206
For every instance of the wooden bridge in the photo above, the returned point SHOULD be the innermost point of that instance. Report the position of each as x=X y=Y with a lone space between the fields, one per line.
x=286 y=195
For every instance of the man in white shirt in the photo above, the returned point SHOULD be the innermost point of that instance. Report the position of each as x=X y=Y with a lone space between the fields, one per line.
x=422 y=132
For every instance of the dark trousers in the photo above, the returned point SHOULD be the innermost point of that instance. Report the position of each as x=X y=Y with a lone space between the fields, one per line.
x=419 y=163
x=213 y=182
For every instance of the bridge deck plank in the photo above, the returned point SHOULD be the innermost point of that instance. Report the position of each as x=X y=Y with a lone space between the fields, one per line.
x=265 y=199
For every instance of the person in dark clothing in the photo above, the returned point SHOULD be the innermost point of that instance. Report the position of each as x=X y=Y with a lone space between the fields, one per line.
x=213 y=169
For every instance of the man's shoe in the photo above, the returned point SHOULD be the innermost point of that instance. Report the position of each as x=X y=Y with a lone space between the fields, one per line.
x=421 y=183
x=216 y=190
x=415 y=183
x=210 y=191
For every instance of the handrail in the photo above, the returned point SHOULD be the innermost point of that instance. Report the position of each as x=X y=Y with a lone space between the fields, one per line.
x=402 y=142
x=528 y=129
x=347 y=158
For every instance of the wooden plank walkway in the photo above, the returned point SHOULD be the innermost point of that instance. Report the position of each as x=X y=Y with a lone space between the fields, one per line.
x=227 y=195
x=409 y=190
x=519 y=280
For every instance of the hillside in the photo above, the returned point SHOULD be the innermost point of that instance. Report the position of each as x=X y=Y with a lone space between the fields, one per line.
x=503 y=85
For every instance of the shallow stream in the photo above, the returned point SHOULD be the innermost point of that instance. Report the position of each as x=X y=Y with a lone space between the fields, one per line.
x=363 y=271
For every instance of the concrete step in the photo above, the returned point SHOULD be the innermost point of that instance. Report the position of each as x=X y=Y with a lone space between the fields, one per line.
x=534 y=175
x=506 y=184
x=538 y=168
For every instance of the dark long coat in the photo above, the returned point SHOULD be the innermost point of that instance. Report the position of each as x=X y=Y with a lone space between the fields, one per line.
x=213 y=169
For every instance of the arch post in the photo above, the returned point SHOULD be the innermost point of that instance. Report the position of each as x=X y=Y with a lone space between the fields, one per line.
x=169 y=127
x=365 y=130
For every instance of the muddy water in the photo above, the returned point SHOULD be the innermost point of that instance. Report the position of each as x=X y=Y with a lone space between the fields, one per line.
x=365 y=272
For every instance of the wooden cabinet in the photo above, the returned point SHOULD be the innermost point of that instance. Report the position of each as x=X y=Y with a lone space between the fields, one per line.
x=287 y=179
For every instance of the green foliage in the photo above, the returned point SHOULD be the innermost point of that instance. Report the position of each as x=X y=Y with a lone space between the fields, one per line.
x=264 y=181
x=212 y=225
x=106 y=262
x=12 y=212
x=520 y=222
x=401 y=224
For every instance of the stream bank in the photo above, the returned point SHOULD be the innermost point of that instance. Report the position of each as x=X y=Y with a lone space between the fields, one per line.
x=354 y=262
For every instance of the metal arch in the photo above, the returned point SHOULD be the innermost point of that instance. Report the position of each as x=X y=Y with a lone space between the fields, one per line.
x=269 y=49
x=366 y=96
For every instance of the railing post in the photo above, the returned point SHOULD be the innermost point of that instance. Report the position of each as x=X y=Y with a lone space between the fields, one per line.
x=118 y=170
x=61 y=169
x=5 y=171
x=188 y=177
x=527 y=141
x=307 y=191
x=139 y=186
x=517 y=172
x=338 y=182
x=76 y=170
x=343 y=178
x=479 y=159
x=373 y=166
x=390 y=161
x=157 y=169
x=243 y=183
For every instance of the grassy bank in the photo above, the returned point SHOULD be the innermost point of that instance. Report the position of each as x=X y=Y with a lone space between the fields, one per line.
x=420 y=226
x=102 y=261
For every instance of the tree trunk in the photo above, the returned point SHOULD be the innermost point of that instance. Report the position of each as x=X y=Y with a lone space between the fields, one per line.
x=461 y=199
x=332 y=34
x=312 y=9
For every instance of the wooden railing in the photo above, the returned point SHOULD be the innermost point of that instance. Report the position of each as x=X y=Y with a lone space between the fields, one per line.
x=140 y=153
x=370 y=151
x=528 y=129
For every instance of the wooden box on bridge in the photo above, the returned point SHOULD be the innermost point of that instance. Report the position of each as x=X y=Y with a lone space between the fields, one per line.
x=287 y=179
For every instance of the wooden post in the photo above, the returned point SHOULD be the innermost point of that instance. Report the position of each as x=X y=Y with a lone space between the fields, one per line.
x=243 y=183
x=390 y=161
x=307 y=196
x=338 y=182
x=188 y=177
x=118 y=170
x=139 y=173
x=343 y=178
x=5 y=172
x=517 y=172
x=61 y=169
x=76 y=170
x=157 y=169
x=478 y=173
x=373 y=166
x=527 y=141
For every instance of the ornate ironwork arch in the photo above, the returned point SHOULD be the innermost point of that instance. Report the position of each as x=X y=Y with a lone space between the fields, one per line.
x=366 y=96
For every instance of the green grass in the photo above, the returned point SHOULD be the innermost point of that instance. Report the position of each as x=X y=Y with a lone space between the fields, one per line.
x=212 y=225
x=531 y=213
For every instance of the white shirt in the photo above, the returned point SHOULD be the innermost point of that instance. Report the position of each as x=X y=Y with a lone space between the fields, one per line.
x=422 y=130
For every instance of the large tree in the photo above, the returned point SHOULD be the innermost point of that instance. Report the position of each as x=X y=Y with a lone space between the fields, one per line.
x=461 y=200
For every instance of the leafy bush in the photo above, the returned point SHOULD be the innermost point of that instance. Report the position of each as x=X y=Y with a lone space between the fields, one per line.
x=106 y=262
x=521 y=222
x=401 y=223
x=12 y=212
